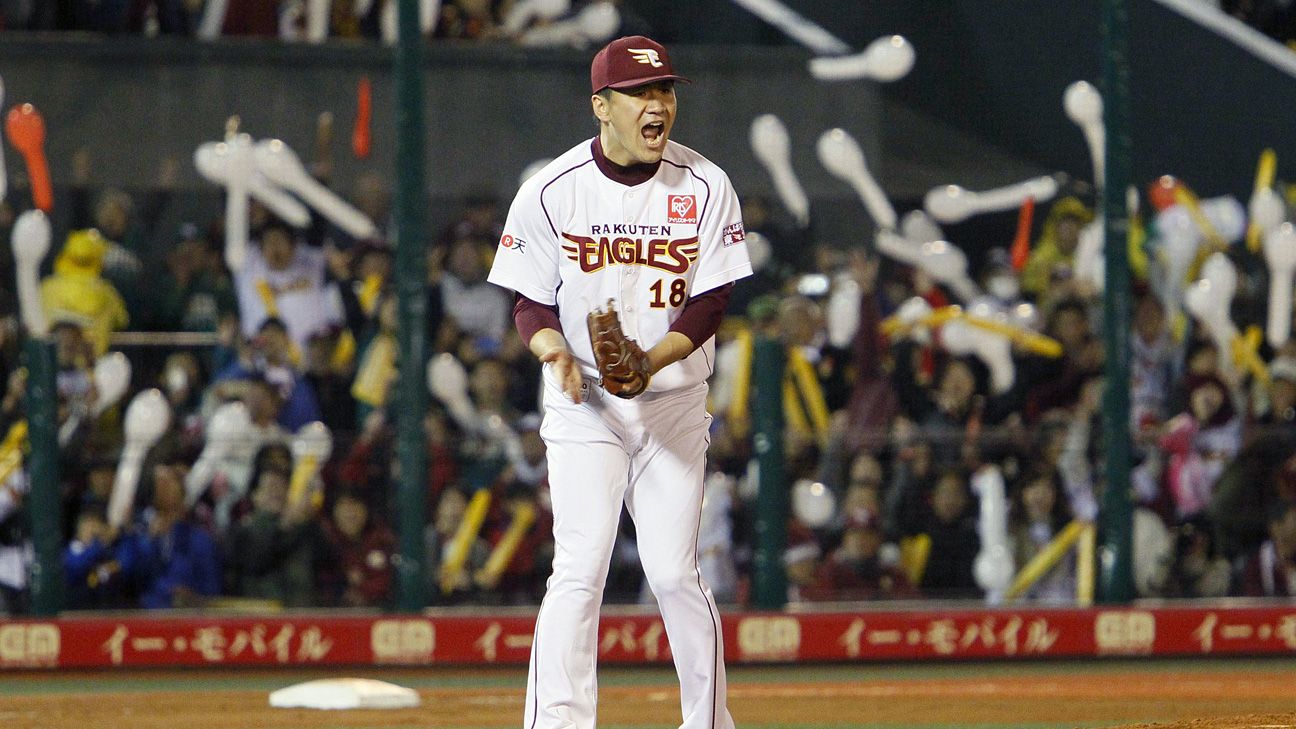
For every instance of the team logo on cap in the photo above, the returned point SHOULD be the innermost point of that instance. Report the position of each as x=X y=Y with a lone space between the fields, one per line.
x=646 y=56
x=682 y=209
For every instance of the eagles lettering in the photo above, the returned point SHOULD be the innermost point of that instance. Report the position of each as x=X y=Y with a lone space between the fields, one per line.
x=671 y=256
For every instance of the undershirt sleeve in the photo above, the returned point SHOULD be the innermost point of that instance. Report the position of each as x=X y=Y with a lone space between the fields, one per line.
x=700 y=319
x=530 y=316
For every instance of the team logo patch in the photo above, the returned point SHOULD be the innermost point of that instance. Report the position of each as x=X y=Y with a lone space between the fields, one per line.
x=646 y=56
x=682 y=209
x=516 y=244
x=734 y=234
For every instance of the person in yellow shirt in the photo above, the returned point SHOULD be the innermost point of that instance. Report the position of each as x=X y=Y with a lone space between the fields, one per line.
x=77 y=292
x=1054 y=252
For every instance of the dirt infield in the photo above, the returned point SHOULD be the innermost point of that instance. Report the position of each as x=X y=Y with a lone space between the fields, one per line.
x=1198 y=697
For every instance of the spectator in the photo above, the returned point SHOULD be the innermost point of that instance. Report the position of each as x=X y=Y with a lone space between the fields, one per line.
x=1037 y=515
x=801 y=563
x=1198 y=569
x=282 y=278
x=270 y=358
x=198 y=292
x=1200 y=443
x=482 y=310
x=439 y=541
x=1053 y=257
x=376 y=374
x=15 y=544
x=231 y=477
x=275 y=546
x=131 y=232
x=329 y=376
x=1271 y=570
x=954 y=541
x=857 y=570
x=358 y=568
x=178 y=564
x=97 y=565
x=479 y=218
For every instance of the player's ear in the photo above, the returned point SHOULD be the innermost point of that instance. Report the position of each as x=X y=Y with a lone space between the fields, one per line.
x=599 y=105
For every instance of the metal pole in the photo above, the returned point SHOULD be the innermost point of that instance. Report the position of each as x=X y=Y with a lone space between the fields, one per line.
x=1116 y=582
x=770 y=582
x=43 y=504
x=411 y=284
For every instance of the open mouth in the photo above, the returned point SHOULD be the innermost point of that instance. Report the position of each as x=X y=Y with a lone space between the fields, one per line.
x=654 y=133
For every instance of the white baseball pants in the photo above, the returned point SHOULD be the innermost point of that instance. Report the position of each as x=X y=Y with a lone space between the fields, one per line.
x=650 y=454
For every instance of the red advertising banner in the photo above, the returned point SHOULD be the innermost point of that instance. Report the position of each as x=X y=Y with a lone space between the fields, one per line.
x=455 y=638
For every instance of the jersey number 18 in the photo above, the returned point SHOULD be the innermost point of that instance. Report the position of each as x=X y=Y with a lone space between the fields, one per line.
x=676 y=296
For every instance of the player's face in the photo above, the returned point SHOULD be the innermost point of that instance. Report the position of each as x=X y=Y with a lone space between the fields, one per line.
x=636 y=122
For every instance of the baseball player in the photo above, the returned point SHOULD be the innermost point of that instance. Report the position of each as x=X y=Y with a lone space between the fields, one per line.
x=650 y=231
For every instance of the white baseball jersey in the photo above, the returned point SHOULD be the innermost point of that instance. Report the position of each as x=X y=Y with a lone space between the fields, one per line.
x=307 y=303
x=576 y=238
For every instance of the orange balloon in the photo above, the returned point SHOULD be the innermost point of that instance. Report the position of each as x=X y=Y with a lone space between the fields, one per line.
x=26 y=129
x=1161 y=193
x=360 y=135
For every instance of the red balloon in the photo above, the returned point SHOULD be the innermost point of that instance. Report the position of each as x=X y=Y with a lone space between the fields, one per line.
x=1161 y=193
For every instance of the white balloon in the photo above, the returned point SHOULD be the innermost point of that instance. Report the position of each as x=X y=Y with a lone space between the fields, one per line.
x=313 y=440
x=841 y=155
x=759 y=250
x=598 y=21
x=919 y=227
x=1279 y=246
x=1227 y=216
x=772 y=147
x=1266 y=209
x=994 y=350
x=212 y=162
x=1083 y=103
x=813 y=504
x=888 y=58
x=446 y=378
x=1153 y=548
x=228 y=427
x=953 y=204
x=280 y=165
x=1084 y=107
x=1209 y=299
x=993 y=567
x=147 y=418
x=30 y=238
x=1090 y=262
x=112 y=373
x=892 y=244
x=947 y=264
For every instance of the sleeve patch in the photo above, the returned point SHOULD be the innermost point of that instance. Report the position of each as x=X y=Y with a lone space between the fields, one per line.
x=734 y=234
x=511 y=243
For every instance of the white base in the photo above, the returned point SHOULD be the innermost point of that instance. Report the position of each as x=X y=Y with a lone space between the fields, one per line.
x=344 y=693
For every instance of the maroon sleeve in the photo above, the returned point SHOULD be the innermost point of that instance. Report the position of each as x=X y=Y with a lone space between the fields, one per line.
x=531 y=316
x=701 y=317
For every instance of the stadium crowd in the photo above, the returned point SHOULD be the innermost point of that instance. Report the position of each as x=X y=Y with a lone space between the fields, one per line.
x=551 y=23
x=884 y=423
x=527 y=22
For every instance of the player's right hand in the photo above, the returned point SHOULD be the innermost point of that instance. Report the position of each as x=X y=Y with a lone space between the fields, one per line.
x=565 y=367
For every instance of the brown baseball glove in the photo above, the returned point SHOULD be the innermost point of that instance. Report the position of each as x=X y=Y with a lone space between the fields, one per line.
x=621 y=363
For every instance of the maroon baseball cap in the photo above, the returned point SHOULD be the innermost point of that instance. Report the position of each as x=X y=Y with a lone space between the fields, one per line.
x=631 y=61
